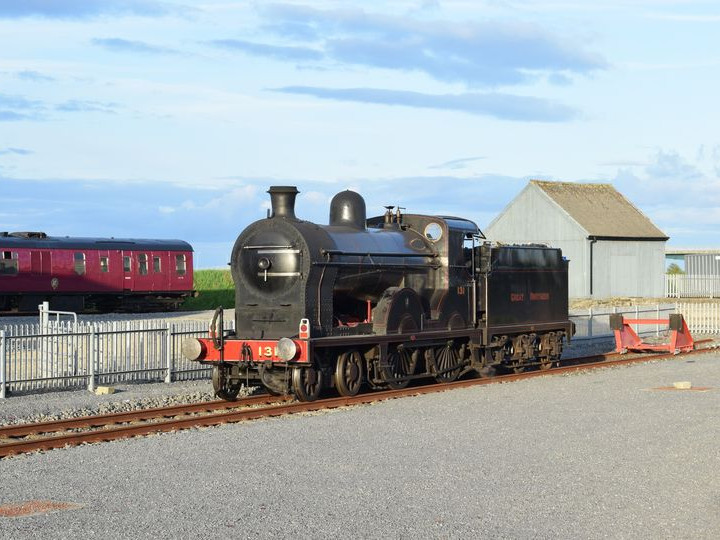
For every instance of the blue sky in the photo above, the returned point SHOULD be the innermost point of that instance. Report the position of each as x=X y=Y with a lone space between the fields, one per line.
x=165 y=119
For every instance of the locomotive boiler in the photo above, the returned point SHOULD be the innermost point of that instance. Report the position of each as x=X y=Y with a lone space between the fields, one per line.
x=380 y=302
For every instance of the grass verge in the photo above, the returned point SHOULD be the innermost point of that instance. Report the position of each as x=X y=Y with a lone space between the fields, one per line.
x=215 y=288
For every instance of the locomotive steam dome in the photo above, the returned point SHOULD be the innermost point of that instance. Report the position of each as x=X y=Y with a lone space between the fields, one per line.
x=347 y=208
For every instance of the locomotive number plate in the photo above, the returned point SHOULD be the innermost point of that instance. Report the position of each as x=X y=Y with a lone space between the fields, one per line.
x=267 y=352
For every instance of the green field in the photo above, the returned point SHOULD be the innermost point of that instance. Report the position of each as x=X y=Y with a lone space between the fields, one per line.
x=215 y=288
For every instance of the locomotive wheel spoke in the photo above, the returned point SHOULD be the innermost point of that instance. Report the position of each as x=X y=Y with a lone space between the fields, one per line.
x=307 y=383
x=445 y=359
x=349 y=373
x=400 y=363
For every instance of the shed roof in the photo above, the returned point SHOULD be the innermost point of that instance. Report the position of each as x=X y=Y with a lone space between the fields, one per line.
x=601 y=210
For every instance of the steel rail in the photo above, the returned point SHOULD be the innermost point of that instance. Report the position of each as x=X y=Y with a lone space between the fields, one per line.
x=232 y=416
x=100 y=420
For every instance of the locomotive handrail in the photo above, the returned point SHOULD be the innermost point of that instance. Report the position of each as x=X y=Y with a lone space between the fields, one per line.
x=435 y=264
x=267 y=247
x=375 y=254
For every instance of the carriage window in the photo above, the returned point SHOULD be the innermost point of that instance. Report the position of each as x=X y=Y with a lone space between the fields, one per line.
x=126 y=263
x=143 y=264
x=9 y=263
x=79 y=264
x=104 y=266
x=180 y=265
x=156 y=265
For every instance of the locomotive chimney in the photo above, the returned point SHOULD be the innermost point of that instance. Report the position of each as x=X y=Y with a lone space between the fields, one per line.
x=282 y=199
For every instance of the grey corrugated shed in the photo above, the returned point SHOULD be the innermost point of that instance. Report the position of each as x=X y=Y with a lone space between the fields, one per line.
x=601 y=210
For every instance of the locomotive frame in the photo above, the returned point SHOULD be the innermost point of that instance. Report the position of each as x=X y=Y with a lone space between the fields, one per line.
x=381 y=302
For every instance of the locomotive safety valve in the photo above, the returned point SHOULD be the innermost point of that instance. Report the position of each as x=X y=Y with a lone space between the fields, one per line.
x=626 y=339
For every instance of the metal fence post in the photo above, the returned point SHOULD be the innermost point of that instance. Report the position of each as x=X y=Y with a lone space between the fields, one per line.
x=637 y=316
x=2 y=366
x=590 y=322
x=169 y=352
x=92 y=359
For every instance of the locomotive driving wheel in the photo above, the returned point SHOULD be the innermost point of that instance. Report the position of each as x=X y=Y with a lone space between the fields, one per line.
x=307 y=383
x=399 y=363
x=349 y=373
x=447 y=363
x=222 y=384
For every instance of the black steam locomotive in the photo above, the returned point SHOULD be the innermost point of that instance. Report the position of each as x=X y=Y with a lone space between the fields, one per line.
x=381 y=302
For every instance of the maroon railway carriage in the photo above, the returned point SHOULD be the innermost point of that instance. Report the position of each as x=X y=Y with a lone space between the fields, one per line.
x=101 y=274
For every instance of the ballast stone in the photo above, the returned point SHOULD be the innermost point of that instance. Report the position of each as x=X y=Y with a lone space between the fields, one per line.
x=682 y=385
x=104 y=390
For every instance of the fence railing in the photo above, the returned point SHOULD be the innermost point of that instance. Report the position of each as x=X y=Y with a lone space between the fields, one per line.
x=75 y=355
x=594 y=323
x=72 y=355
x=701 y=318
x=692 y=286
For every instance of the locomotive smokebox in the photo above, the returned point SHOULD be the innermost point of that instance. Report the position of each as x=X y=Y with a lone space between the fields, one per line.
x=347 y=209
x=282 y=199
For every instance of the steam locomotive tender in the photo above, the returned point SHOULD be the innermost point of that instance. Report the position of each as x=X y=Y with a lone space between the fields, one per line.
x=380 y=302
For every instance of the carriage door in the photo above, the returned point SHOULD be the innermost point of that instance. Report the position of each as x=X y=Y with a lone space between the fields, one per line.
x=36 y=262
x=142 y=279
x=40 y=263
x=127 y=262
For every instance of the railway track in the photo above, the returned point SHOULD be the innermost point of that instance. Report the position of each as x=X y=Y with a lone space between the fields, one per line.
x=24 y=438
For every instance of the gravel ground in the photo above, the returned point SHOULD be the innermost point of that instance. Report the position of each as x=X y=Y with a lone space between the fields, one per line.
x=594 y=455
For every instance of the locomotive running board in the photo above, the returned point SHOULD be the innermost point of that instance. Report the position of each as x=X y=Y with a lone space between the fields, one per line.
x=627 y=340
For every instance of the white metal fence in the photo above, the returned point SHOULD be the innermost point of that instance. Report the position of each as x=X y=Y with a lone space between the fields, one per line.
x=692 y=286
x=701 y=317
x=75 y=355
x=71 y=355
x=594 y=323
